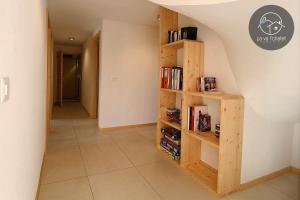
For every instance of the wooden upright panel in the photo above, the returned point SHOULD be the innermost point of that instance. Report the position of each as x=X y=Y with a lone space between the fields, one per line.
x=230 y=145
x=193 y=61
x=168 y=22
x=168 y=58
x=192 y=69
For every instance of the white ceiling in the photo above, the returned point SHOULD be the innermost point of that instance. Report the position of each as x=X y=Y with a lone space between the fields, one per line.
x=80 y=18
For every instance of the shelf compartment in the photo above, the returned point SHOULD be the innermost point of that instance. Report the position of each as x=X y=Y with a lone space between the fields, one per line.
x=171 y=90
x=214 y=95
x=172 y=124
x=179 y=44
x=206 y=137
x=205 y=174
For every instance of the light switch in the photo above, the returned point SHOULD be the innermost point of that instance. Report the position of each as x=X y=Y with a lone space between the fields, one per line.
x=4 y=89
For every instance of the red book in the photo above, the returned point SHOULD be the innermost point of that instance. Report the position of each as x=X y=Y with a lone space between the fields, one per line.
x=162 y=77
x=169 y=78
x=193 y=117
x=165 y=77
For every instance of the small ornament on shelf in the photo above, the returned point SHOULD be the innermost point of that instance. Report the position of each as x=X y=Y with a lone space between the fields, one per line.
x=206 y=84
x=205 y=123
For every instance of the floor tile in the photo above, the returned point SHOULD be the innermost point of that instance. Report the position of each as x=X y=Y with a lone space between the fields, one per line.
x=288 y=184
x=259 y=192
x=85 y=131
x=79 y=122
x=171 y=182
x=121 y=185
x=76 y=189
x=61 y=123
x=61 y=145
x=138 y=149
x=147 y=128
x=149 y=135
x=103 y=155
x=62 y=165
x=61 y=133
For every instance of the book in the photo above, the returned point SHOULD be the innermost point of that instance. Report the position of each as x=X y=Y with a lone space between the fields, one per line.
x=194 y=113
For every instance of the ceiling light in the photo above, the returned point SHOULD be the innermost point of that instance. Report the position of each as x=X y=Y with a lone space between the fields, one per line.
x=71 y=38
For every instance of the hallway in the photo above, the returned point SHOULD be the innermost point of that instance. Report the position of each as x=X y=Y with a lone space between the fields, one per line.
x=83 y=163
x=71 y=110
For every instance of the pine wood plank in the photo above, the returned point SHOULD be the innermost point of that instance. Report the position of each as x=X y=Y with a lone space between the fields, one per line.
x=172 y=124
x=215 y=95
x=205 y=174
x=171 y=90
x=179 y=44
x=207 y=137
x=230 y=145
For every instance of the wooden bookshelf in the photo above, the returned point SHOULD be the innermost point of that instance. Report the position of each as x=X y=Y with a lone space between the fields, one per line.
x=226 y=178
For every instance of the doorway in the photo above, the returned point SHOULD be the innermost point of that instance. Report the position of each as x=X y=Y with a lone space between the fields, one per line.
x=71 y=78
x=68 y=78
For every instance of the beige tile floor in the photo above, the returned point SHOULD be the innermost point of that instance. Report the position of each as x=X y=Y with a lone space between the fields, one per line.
x=84 y=164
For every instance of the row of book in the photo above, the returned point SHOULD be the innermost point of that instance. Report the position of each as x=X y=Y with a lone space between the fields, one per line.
x=189 y=33
x=171 y=78
x=174 y=36
x=198 y=118
x=170 y=142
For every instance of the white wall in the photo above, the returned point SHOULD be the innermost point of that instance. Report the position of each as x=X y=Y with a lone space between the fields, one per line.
x=22 y=118
x=271 y=108
x=89 y=78
x=66 y=49
x=128 y=74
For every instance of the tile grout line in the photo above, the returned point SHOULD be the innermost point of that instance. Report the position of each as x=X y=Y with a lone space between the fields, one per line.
x=135 y=167
x=83 y=161
x=275 y=189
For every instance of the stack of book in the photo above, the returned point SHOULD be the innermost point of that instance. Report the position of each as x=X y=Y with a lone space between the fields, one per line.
x=170 y=142
x=171 y=78
x=217 y=132
x=174 y=36
x=198 y=118
x=173 y=115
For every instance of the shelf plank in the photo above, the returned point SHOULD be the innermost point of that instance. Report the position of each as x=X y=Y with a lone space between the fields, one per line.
x=205 y=174
x=171 y=90
x=215 y=95
x=207 y=137
x=172 y=124
x=179 y=44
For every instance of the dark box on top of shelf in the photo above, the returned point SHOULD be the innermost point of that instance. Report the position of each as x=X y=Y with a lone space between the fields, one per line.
x=189 y=33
